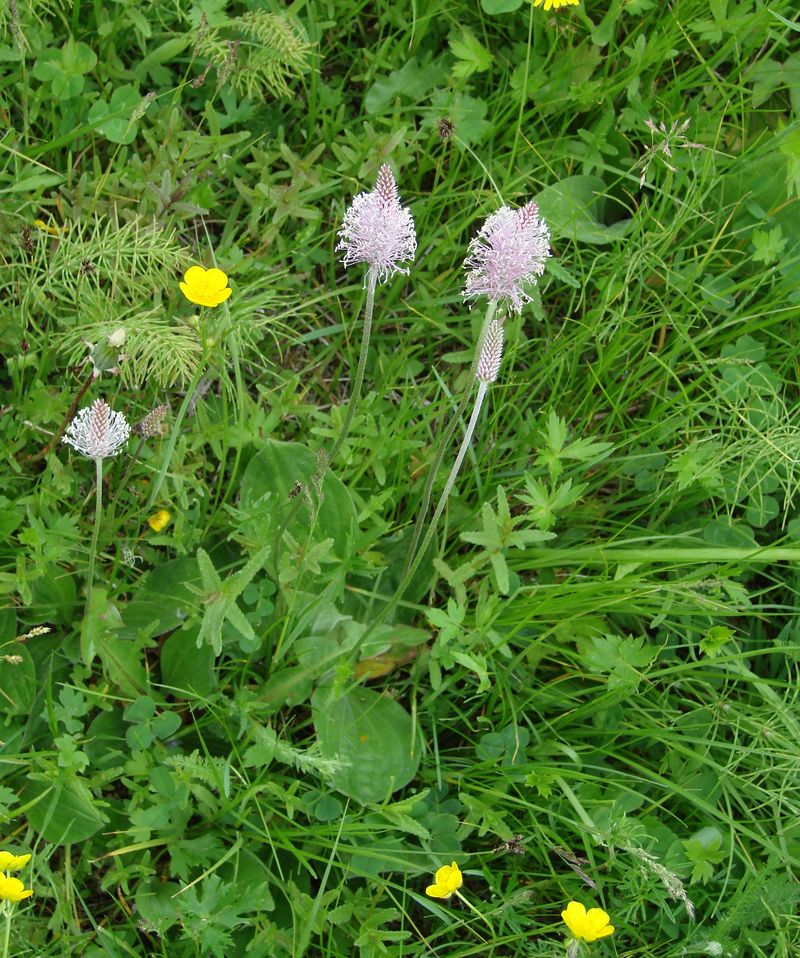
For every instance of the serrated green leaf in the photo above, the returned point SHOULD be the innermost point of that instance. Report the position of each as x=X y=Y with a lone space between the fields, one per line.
x=472 y=55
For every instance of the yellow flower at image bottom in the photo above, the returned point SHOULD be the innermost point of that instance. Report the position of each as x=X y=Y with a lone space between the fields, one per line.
x=448 y=878
x=205 y=287
x=12 y=889
x=555 y=4
x=588 y=925
x=12 y=863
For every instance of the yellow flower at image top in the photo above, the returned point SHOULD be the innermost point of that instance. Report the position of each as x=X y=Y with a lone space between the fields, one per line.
x=205 y=287
x=12 y=863
x=159 y=520
x=12 y=889
x=588 y=925
x=555 y=4
x=447 y=880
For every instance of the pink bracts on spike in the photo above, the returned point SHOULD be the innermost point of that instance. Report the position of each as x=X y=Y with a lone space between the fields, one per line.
x=507 y=255
x=378 y=231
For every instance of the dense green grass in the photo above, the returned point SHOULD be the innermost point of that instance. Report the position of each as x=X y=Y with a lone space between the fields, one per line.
x=608 y=715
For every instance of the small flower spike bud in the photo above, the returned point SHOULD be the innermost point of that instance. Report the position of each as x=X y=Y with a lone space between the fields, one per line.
x=151 y=424
x=508 y=254
x=378 y=231
x=491 y=353
x=97 y=431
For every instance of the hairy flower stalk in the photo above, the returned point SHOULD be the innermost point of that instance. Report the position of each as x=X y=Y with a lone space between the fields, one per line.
x=379 y=232
x=485 y=368
x=98 y=433
x=508 y=254
x=489 y=358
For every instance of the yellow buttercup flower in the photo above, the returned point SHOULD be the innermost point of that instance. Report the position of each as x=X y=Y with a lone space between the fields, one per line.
x=205 y=287
x=159 y=520
x=447 y=880
x=555 y=4
x=12 y=863
x=589 y=925
x=12 y=889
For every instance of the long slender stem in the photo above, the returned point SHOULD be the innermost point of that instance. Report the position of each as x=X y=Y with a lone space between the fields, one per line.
x=392 y=604
x=7 y=933
x=524 y=94
x=445 y=442
x=648 y=554
x=358 y=382
x=98 y=509
x=174 y=433
x=475 y=911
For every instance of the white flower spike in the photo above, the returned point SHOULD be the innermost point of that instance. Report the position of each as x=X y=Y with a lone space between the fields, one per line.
x=97 y=431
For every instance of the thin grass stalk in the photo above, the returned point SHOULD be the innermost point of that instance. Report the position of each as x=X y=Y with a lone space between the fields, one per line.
x=175 y=431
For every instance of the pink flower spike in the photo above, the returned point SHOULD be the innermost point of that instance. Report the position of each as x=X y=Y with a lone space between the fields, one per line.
x=378 y=231
x=508 y=254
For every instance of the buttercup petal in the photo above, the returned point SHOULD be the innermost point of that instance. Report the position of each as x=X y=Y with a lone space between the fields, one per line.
x=216 y=280
x=596 y=919
x=608 y=930
x=575 y=911
x=437 y=891
x=195 y=275
x=222 y=296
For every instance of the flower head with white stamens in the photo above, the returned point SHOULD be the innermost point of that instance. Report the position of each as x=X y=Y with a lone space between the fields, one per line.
x=378 y=231
x=97 y=431
x=507 y=255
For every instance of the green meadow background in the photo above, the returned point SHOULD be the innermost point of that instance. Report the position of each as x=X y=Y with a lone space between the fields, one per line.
x=590 y=690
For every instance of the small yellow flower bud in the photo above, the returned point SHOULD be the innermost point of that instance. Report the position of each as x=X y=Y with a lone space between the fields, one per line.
x=159 y=520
